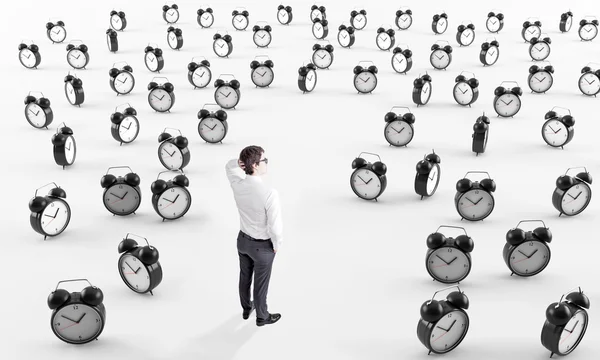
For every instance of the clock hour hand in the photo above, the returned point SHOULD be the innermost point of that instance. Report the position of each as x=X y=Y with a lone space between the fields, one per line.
x=432 y=176
x=129 y=266
x=176 y=197
x=573 y=198
x=574 y=326
x=481 y=198
x=454 y=322
x=138 y=269
x=369 y=181
x=451 y=261
x=82 y=316
x=363 y=180
x=533 y=253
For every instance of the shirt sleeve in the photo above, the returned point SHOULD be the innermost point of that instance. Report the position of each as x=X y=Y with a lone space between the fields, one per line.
x=234 y=172
x=274 y=221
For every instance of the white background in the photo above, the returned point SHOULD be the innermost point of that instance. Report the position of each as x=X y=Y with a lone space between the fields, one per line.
x=350 y=277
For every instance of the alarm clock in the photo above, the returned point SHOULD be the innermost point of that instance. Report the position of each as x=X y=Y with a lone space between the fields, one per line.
x=112 y=40
x=64 y=147
x=199 y=74
x=489 y=52
x=173 y=152
x=171 y=199
x=222 y=45
x=161 y=96
x=317 y=12
x=320 y=28
x=531 y=29
x=49 y=209
x=262 y=34
x=474 y=199
x=428 y=174
x=74 y=90
x=403 y=18
x=558 y=130
x=465 y=90
x=174 y=38
x=540 y=79
x=572 y=194
x=444 y=324
x=125 y=125
x=507 y=102
x=588 y=28
x=589 y=81
x=494 y=22
x=481 y=130
x=122 y=195
x=368 y=180
x=213 y=125
x=153 y=59
x=402 y=60
x=262 y=71
x=78 y=317
x=138 y=265
x=385 y=39
x=346 y=36
x=307 y=78
x=365 y=78
x=29 y=55
x=121 y=79
x=566 y=21
x=322 y=55
x=526 y=253
x=440 y=57
x=227 y=93
x=421 y=90
x=38 y=111
x=399 y=129
x=205 y=17
x=240 y=19
x=118 y=21
x=539 y=50
x=77 y=55
x=358 y=19
x=566 y=323
x=284 y=14
x=439 y=23
x=170 y=13
x=465 y=34
x=56 y=32
x=448 y=259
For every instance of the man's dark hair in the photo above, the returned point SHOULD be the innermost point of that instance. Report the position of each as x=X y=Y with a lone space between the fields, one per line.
x=251 y=155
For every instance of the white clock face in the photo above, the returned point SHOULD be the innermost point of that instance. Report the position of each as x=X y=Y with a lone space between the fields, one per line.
x=539 y=51
x=463 y=93
x=576 y=199
x=282 y=16
x=439 y=59
x=467 y=37
x=449 y=331
x=172 y=15
x=77 y=323
x=448 y=265
x=529 y=258
x=121 y=199
x=475 y=204
x=160 y=100
x=170 y=155
x=76 y=58
x=201 y=77
x=491 y=55
x=316 y=14
x=588 y=32
x=426 y=92
x=211 y=130
x=207 y=19
x=262 y=38
x=174 y=202
x=151 y=61
x=311 y=80
x=322 y=59
x=226 y=97
x=124 y=82
x=172 y=40
x=384 y=41
x=55 y=217
x=398 y=133
x=404 y=21
x=589 y=84
x=344 y=38
x=433 y=179
x=129 y=129
x=27 y=58
x=240 y=22
x=541 y=82
x=221 y=47
x=70 y=150
x=568 y=23
x=318 y=30
x=108 y=42
x=58 y=34
x=399 y=63
x=262 y=76
x=365 y=82
x=573 y=332
x=493 y=24
x=70 y=91
x=134 y=273
x=359 y=22
x=441 y=25
x=531 y=32
x=555 y=133
x=507 y=105
x=35 y=115
x=366 y=184
x=116 y=22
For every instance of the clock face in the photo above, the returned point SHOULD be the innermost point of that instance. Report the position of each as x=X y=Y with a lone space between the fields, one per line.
x=589 y=84
x=588 y=32
x=573 y=332
x=344 y=38
x=240 y=22
x=174 y=203
x=507 y=105
x=555 y=133
x=311 y=80
x=70 y=149
x=539 y=51
x=124 y=82
x=384 y=41
x=282 y=16
x=426 y=92
x=207 y=19
x=121 y=199
x=172 y=40
x=58 y=34
x=399 y=63
x=170 y=155
x=134 y=273
x=316 y=14
x=365 y=183
x=441 y=25
x=492 y=24
x=262 y=76
x=226 y=97
x=448 y=265
x=433 y=179
x=129 y=129
x=529 y=258
x=70 y=92
x=171 y=16
x=160 y=100
x=27 y=58
x=221 y=47
x=475 y=204
x=35 y=115
x=359 y=21
x=55 y=217
x=211 y=130
x=151 y=61
x=76 y=58
x=398 y=133
x=449 y=331
x=322 y=59
x=318 y=30
x=576 y=199
x=491 y=56
x=568 y=23
x=262 y=38
x=540 y=82
x=467 y=37
x=531 y=32
x=439 y=59
x=77 y=323
x=201 y=76
x=115 y=22
x=404 y=21
x=463 y=93
x=365 y=82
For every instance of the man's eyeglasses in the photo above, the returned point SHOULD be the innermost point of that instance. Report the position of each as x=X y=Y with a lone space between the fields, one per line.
x=265 y=160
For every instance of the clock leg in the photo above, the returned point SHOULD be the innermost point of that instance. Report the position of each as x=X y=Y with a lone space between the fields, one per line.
x=511 y=274
x=120 y=144
x=551 y=354
x=45 y=236
x=559 y=215
x=151 y=293
x=63 y=167
x=429 y=352
x=376 y=200
x=421 y=197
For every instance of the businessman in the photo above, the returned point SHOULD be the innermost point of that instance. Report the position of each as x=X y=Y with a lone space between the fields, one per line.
x=260 y=233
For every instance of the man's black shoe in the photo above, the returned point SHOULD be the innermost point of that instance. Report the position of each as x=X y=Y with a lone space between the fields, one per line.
x=247 y=313
x=272 y=319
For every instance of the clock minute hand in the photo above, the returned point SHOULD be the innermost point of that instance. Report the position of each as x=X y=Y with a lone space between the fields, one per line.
x=454 y=322
x=81 y=318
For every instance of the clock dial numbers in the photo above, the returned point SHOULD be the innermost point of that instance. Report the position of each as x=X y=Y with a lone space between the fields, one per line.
x=448 y=265
x=70 y=150
x=121 y=199
x=491 y=56
x=359 y=22
x=151 y=61
x=318 y=30
x=425 y=93
x=55 y=217
x=35 y=115
x=76 y=58
x=529 y=258
x=221 y=48
x=531 y=32
x=129 y=129
x=173 y=203
x=399 y=63
x=573 y=332
x=240 y=22
x=226 y=97
x=77 y=323
x=27 y=58
x=463 y=93
x=588 y=32
x=311 y=80
x=211 y=130
x=441 y=26
x=433 y=180
x=170 y=156
x=201 y=77
x=467 y=37
x=262 y=76
x=383 y=41
x=404 y=21
x=160 y=100
x=555 y=133
x=365 y=82
x=58 y=34
x=475 y=204
x=124 y=83
x=366 y=184
x=507 y=105
x=398 y=133
x=322 y=59
x=134 y=273
x=449 y=331
x=344 y=38
x=493 y=24
x=589 y=84
x=576 y=199
x=262 y=38
x=172 y=15
x=439 y=59
x=540 y=82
